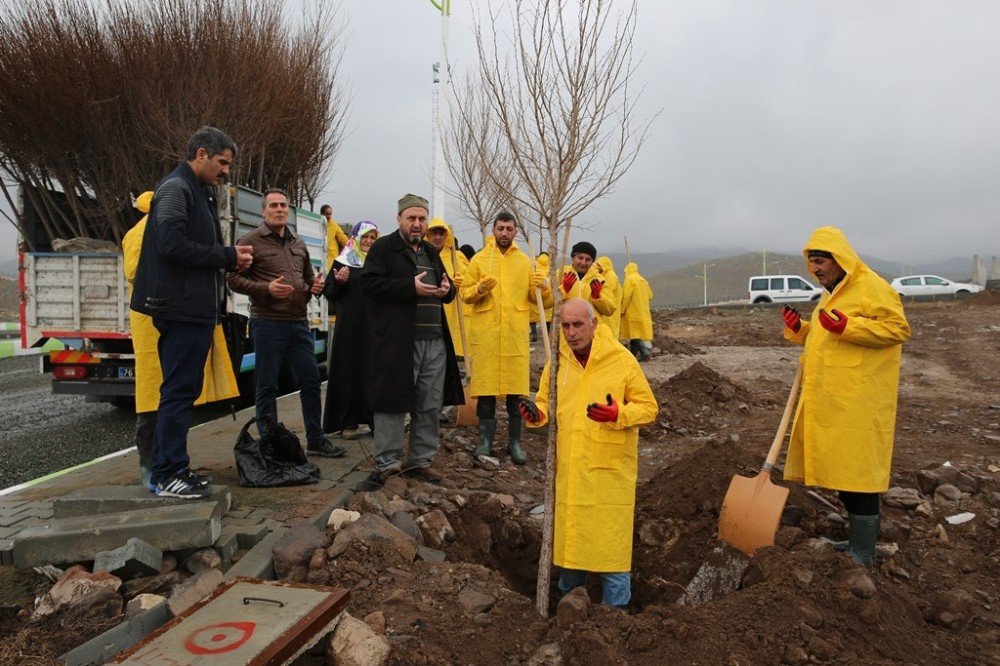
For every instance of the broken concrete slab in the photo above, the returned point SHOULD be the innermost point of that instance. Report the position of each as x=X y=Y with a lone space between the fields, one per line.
x=81 y=538
x=105 y=647
x=193 y=590
x=720 y=574
x=113 y=499
x=133 y=560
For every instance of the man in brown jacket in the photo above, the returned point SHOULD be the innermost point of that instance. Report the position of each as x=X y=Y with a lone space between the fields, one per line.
x=280 y=283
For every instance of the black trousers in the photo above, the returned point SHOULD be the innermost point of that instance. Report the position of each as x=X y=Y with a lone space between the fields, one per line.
x=860 y=504
x=487 y=407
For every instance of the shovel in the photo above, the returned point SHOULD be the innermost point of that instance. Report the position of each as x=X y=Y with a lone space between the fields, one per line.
x=752 y=508
x=465 y=415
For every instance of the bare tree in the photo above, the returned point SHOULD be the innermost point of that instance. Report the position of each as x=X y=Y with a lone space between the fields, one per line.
x=99 y=99
x=557 y=80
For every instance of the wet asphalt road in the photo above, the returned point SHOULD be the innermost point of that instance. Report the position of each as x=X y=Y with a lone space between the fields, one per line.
x=42 y=433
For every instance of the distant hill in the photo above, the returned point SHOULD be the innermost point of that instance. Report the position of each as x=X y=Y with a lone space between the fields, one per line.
x=8 y=267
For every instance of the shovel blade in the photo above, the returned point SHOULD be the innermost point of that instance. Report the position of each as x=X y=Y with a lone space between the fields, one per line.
x=465 y=415
x=751 y=512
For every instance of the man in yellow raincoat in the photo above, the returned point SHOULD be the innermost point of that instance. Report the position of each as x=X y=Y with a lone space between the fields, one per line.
x=582 y=279
x=441 y=237
x=219 y=382
x=336 y=239
x=542 y=265
x=499 y=286
x=842 y=435
x=603 y=398
x=637 y=320
x=613 y=289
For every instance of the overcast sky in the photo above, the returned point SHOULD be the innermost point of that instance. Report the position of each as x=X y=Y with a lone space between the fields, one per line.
x=776 y=117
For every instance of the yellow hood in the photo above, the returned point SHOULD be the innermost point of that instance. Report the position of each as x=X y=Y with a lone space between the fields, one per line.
x=833 y=240
x=631 y=268
x=605 y=264
x=438 y=223
x=143 y=201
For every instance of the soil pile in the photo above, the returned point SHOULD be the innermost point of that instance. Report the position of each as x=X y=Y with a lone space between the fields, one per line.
x=988 y=297
x=698 y=395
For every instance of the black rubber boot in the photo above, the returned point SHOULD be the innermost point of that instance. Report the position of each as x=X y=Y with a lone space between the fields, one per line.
x=487 y=431
x=517 y=454
x=861 y=540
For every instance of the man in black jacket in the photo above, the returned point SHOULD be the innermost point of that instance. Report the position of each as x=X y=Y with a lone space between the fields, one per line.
x=180 y=284
x=406 y=285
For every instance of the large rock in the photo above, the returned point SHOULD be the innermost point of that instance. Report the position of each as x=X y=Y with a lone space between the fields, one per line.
x=436 y=529
x=193 y=590
x=902 y=498
x=953 y=609
x=354 y=643
x=79 y=590
x=296 y=546
x=573 y=608
x=406 y=523
x=719 y=575
x=857 y=581
x=373 y=528
x=340 y=518
x=473 y=601
x=203 y=560
x=956 y=477
x=947 y=495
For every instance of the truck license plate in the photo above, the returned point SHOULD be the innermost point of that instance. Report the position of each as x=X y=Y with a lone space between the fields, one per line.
x=126 y=373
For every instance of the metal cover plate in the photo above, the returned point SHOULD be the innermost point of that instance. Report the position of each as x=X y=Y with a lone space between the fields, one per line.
x=245 y=621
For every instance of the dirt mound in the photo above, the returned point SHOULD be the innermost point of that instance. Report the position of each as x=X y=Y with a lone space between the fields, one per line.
x=695 y=396
x=988 y=297
x=665 y=344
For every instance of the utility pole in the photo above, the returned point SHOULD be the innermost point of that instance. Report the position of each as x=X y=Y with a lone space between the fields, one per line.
x=763 y=258
x=441 y=78
x=704 y=278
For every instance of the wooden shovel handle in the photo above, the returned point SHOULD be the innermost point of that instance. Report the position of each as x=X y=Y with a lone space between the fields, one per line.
x=779 y=436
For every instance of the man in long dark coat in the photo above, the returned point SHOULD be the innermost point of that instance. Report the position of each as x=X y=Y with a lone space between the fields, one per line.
x=406 y=284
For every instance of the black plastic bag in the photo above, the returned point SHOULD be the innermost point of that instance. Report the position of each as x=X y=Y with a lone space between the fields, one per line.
x=276 y=459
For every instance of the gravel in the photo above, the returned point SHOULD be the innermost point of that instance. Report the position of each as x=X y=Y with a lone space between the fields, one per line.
x=41 y=433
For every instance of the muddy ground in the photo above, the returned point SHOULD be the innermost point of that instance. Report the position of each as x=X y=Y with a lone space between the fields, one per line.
x=722 y=377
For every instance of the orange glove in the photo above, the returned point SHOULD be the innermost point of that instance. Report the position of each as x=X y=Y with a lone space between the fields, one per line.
x=792 y=318
x=568 y=281
x=595 y=289
x=835 y=323
x=603 y=413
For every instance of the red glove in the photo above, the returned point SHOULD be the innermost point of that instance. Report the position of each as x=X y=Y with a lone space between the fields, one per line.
x=792 y=318
x=529 y=410
x=595 y=289
x=568 y=281
x=835 y=323
x=603 y=413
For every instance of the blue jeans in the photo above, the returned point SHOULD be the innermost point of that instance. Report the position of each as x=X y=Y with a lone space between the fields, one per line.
x=274 y=341
x=617 y=587
x=183 y=349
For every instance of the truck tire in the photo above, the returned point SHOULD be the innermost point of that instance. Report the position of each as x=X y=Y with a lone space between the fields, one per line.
x=762 y=299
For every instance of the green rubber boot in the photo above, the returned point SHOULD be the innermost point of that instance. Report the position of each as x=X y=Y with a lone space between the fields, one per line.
x=517 y=454
x=861 y=540
x=487 y=431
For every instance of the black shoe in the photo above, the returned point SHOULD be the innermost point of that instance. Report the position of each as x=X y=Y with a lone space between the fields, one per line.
x=180 y=487
x=326 y=449
x=196 y=479
x=374 y=481
x=424 y=474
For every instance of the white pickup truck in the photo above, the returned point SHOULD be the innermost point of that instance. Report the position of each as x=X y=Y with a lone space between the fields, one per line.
x=81 y=299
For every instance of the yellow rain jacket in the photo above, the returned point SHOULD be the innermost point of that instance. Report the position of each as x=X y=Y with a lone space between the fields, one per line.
x=220 y=381
x=336 y=241
x=597 y=463
x=604 y=306
x=541 y=264
x=455 y=267
x=499 y=334
x=611 y=283
x=846 y=416
x=637 y=320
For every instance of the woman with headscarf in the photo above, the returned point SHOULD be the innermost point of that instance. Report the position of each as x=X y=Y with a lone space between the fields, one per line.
x=346 y=406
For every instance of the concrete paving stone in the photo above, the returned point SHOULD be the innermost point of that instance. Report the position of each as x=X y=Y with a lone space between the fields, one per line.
x=112 y=499
x=249 y=539
x=258 y=561
x=262 y=513
x=352 y=480
x=6 y=552
x=105 y=647
x=194 y=525
x=4 y=506
x=133 y=560
x=325 y=484
x=236 y=513
x=9 y=532
x=227 y=544
x=242 y=523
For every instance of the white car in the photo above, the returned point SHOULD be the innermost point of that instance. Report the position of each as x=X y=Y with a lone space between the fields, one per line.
x=932 y=285
x=781 y=289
